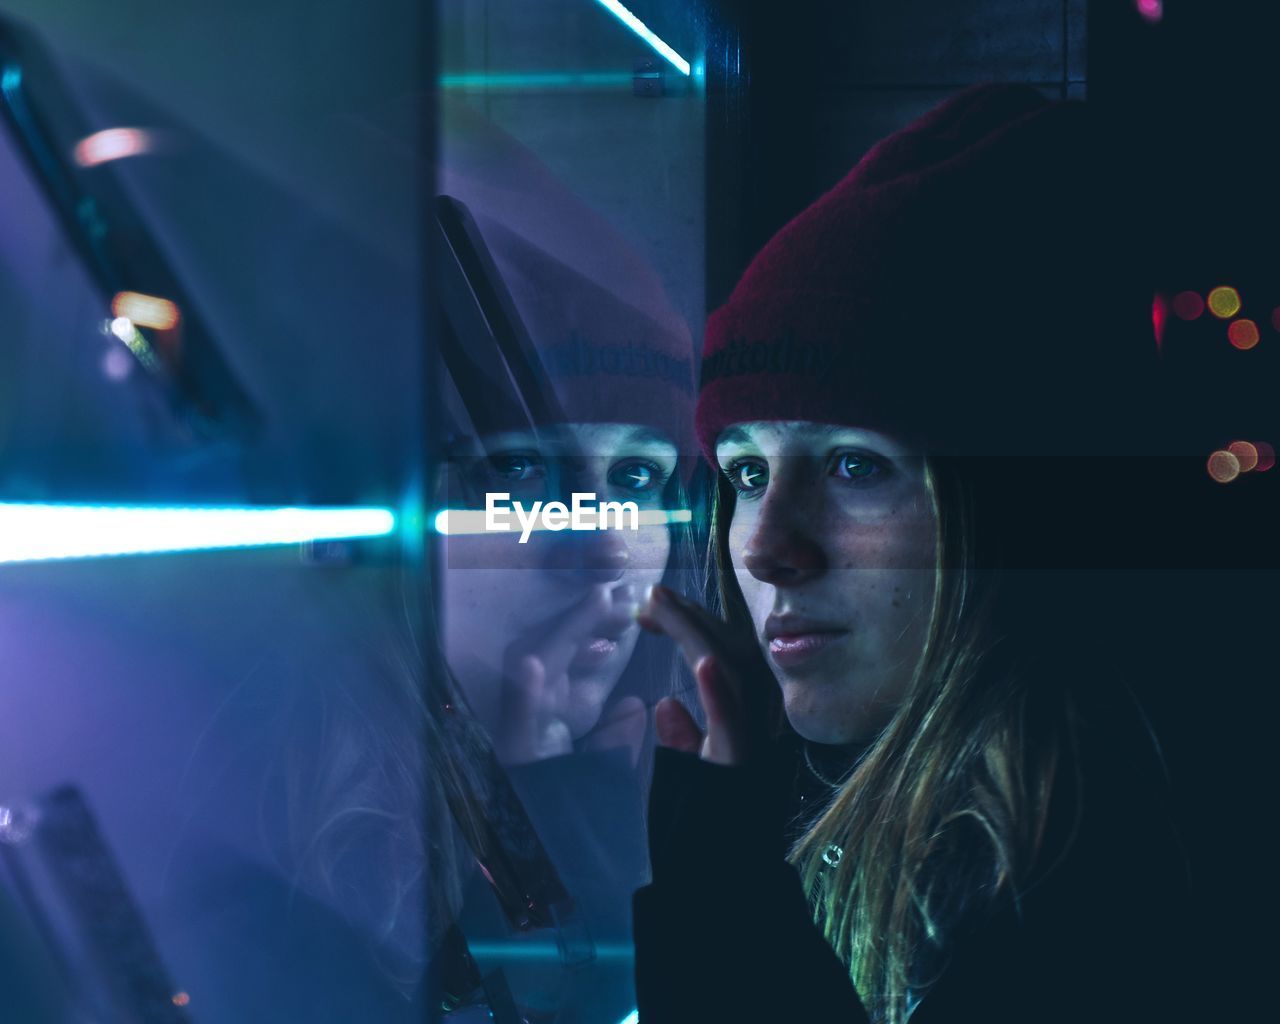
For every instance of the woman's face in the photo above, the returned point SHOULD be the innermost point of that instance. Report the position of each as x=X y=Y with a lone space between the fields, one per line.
x=564 y=597
x=833 y=545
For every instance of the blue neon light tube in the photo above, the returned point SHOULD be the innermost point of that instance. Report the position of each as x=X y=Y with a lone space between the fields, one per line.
x=34 y=533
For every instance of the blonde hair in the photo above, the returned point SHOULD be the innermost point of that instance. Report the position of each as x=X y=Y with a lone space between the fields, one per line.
x=972 y=745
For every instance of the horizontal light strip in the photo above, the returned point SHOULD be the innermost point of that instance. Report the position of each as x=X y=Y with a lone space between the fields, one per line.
x=644 y=32
x=544 y=951
x=111 y=144
x=33 y=533
x=469 y=521
x=537 y=80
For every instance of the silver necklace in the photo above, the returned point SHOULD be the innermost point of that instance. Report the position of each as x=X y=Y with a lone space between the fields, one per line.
x=833 y=854
x=817 y=774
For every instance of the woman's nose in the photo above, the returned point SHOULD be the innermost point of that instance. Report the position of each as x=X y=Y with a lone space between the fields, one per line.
x=781 y=550
x=594 y=556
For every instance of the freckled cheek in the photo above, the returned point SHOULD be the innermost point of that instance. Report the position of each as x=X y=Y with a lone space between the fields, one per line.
x=492 y=589
x=483 y=609
x=756 y=594
x=899 y=536
x=648 y=551
x=885 y=573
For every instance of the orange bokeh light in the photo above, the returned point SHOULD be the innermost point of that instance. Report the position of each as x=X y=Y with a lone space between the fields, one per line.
x=1245 y=453
x=1243 y=334
x=181 y=999
x=146 y=310
x=1223 y=467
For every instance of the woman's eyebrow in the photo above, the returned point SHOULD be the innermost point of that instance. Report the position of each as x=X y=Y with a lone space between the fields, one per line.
x=733 y=435
x=641 y=434
x=856 y=436
x=548 y=443
x=825 y=430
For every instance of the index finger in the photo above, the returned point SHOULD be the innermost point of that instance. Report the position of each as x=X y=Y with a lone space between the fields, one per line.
x=693 y=634
x=740 y=666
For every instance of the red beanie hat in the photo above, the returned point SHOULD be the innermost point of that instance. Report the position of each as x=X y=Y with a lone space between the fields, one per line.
x=963 y=286
x=606 y=359
x=612 y=346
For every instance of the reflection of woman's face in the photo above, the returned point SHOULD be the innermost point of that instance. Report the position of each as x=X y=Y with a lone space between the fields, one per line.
x=503 y=601
x=833 y=545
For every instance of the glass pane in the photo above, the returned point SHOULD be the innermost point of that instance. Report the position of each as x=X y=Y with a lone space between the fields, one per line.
x=211 y=292
x=571 y=272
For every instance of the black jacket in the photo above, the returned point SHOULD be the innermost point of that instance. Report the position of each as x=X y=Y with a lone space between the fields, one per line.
x=724 y=932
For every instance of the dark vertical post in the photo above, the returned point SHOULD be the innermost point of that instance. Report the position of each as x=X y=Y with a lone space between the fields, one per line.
x=762 y=136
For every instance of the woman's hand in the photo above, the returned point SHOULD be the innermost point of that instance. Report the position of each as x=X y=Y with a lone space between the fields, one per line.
x=537 y=689
x=731 y=675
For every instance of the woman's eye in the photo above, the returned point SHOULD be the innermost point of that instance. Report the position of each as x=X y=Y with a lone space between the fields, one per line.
x=640 y=477
x=517 y=467
x=748 y=476
x=854 y=466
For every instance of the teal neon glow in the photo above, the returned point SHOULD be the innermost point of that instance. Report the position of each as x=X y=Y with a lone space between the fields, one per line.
x=499 y=81
x=632 y=1018
x=644 y=32
x=35 y=533
x=469 y=521
x=547 y=951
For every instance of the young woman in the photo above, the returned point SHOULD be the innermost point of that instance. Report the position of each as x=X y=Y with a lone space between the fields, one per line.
x=917 y=787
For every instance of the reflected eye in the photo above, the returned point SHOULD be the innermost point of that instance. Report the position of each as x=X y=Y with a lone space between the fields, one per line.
x=855 y=466
x=748 y=476
x=637 y=476
x=517 y=467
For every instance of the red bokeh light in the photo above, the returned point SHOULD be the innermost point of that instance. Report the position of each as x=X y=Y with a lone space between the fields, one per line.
x=1266 y=456
x=1243 y=334
x=1152 y=11
x=1159 y=316
x=1189 y=305
x=1245 y=453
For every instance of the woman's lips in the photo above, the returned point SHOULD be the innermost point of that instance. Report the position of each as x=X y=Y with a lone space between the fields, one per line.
x=593 y=653
x=789 y=650
x=605 y=636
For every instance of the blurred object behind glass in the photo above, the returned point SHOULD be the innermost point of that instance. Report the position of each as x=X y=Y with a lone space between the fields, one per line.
x=214 y=321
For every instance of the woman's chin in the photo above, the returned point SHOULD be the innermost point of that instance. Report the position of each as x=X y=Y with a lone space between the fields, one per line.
x=824 y=718
x=586 y=703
